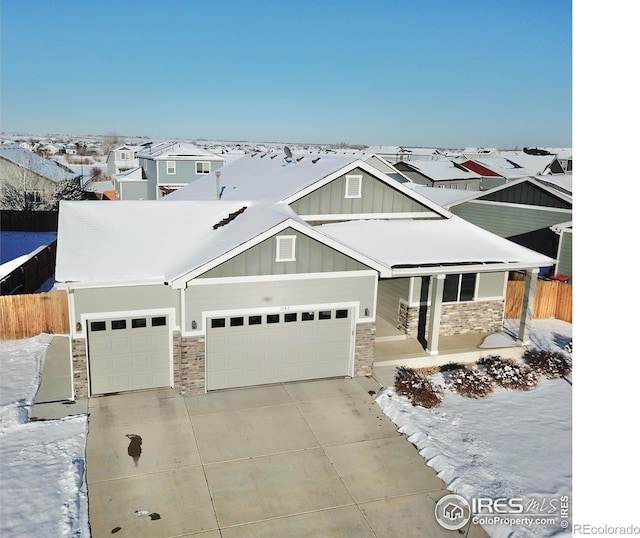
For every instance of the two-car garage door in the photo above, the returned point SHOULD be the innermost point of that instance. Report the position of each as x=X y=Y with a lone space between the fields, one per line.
x=129 y=353
x=261 y=348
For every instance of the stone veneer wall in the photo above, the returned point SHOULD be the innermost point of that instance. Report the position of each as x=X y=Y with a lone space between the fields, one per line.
x=177 y=359
x=457 y=318
x=365 y=349
x=478 y=317
x=192 y=362
x=80 y=374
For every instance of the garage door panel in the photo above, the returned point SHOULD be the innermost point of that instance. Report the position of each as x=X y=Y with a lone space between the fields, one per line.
x=262 y=353
x=135 y=356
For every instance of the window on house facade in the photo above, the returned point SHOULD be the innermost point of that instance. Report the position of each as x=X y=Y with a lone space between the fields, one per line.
x=203 y=167
x=285 y=248
x=171 y=167
x=353 y=188
x=459 y=288
x=124 y=155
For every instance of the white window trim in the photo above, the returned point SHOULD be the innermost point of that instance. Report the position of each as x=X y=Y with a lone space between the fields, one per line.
x=207 y=167
x=350 y=179
x=171 y=168
x=285 y=238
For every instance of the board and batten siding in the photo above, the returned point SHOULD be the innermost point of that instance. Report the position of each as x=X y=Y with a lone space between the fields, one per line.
x=509 y=220
x=311 y=257
x=377 y=197
x=390 y=291
x=280 y=293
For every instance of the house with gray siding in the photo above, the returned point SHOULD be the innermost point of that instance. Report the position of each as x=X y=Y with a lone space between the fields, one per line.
x=278 y=269
x=526 y=211
x=167 y=166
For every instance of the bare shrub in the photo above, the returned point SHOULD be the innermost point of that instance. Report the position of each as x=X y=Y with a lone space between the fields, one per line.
x=509 y=374
x=550 y=364
x=417 y=387
x=471 y=383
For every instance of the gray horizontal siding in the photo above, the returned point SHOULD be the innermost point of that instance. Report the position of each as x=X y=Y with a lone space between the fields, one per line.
x=134 y=298
x=390 y=291
x=509 y=220
x=279 y=293
x=377 y=197
x=565 y=261
x=311 y=257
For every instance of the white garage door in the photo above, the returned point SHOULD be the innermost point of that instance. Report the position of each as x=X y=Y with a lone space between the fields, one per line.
x=256 y=349
x=129 y=353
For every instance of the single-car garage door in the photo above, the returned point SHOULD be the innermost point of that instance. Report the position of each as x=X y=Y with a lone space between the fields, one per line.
x=255 y=349
x=129 y=353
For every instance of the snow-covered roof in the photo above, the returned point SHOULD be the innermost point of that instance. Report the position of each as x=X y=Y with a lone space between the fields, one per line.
x=515 y=166
x=263 y=176
x=134 y=174
x=562 y=181
x=437 y=245
x=35 y=163
x=178 y=151
x=442 y=170
x=145 y=240
x=442 y=197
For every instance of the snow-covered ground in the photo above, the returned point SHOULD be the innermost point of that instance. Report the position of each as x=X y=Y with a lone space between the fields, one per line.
x=42 y=463
x=511 y=444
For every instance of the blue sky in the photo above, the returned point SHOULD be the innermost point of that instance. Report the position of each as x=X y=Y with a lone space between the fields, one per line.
x=493 y=73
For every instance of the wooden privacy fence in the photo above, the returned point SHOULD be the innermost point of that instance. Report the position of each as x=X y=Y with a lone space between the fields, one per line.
x=24 y=316
x=553 y=300
x=32 y=274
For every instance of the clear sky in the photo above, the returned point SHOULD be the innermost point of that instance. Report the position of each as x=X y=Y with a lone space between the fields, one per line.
x=435 y=73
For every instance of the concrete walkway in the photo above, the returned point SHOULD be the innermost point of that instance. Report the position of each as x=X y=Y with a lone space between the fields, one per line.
x=316 y=459
x=54 y=398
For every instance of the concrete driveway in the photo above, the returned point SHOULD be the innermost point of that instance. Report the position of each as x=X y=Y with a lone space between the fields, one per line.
x=315 y=459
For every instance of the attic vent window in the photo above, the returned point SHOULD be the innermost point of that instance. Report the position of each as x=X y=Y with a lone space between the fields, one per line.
x=285 y=248
x=353 y=187
x=229 y=218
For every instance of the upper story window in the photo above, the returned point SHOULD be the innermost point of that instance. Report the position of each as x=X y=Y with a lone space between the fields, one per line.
x=171 y=167
x=285 y=248
x=353 y=188
x=124 y=155
x=459 y=288
x=203 y=167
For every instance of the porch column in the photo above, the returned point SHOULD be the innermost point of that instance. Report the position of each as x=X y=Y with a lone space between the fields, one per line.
x=436 y=290
x=528 y=301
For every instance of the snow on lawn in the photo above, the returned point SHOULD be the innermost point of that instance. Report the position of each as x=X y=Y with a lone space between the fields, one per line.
x=42 y=463
x=510 y=444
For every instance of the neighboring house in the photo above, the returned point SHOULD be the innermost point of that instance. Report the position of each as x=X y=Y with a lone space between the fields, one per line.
x=130 y=185
x=445 y=173
x=122 y=158
x=524 y=211
x=169 y=166
x=497 y=171
x=278 y=269
x=31 y=174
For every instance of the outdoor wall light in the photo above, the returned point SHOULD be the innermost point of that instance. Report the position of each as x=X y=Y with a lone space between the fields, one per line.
x=194 y=324
x=79 y=327
x=366 y=312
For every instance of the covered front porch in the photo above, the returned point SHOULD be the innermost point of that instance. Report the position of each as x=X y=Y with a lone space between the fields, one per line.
x=394 y=348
